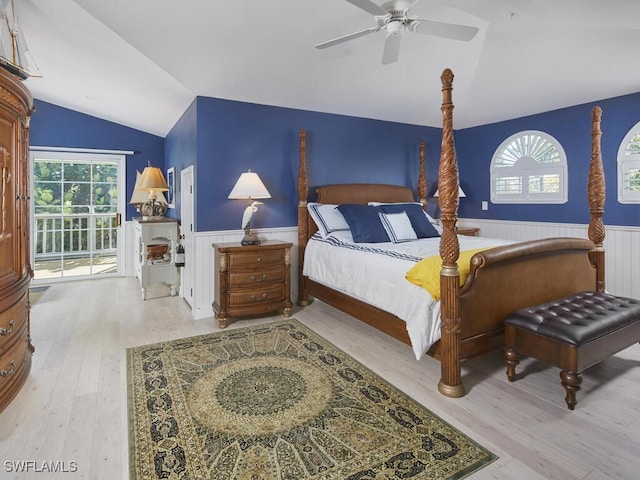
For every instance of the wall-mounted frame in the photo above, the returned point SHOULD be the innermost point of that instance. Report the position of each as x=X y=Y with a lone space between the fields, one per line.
x=171 y=180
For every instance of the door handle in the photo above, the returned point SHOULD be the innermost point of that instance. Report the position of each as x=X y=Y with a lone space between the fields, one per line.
x=118 y=219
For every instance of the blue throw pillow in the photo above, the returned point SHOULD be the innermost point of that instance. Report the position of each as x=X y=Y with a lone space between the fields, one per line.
x=419 y=221
x=364 y=223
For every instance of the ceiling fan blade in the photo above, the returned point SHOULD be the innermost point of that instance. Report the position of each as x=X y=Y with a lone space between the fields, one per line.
x=391 y=49
x=345 y=38
x=369 y=7
x=446 y=30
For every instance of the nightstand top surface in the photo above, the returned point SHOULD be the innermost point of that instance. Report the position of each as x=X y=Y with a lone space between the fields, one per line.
x=471 y=231
x=265 y=244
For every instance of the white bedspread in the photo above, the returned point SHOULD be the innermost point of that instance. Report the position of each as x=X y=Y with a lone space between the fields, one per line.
x=375 y=274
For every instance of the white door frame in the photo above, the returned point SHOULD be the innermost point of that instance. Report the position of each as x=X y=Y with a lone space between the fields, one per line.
x=83 y=154
x=187 y=221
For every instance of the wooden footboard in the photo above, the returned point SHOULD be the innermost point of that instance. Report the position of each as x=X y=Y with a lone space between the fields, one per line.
x=504 y=279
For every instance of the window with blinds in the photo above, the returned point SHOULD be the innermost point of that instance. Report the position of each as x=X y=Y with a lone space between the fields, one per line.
x=529 y=167
x=629 y=167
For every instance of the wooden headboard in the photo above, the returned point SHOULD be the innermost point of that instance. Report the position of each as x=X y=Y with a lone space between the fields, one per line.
x=363 y=193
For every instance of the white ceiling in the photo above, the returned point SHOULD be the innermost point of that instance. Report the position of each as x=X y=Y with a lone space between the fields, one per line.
x=141 y=63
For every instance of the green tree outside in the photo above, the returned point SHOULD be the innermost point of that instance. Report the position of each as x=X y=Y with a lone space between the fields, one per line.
x=65 y=195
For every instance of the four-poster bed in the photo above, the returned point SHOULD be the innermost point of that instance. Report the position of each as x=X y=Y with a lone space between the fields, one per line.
x=500 y=280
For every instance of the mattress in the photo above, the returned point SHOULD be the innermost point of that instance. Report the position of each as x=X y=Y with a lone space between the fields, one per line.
x=375 y=273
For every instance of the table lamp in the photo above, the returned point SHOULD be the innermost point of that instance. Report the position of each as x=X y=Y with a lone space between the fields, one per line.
x=249 y=187
x=152 y=180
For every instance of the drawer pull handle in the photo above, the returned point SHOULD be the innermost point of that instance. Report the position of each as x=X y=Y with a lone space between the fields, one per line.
x=261 y=279
x=6 y=373
x=7 y=331
x=259 y=259
x=262 y=297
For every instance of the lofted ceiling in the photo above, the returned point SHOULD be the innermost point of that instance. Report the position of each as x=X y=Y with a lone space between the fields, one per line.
x=141 y=63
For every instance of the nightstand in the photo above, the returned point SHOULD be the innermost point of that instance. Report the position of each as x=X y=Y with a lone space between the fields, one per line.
x=468 y=231
x=252 y=279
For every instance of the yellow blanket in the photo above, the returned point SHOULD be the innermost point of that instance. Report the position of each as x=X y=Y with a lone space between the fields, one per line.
x=426 y=273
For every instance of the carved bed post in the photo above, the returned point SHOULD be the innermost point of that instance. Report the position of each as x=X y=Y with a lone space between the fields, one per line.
x=450 y=371
x=596 y=194
x=422 y=180
x=303 y=191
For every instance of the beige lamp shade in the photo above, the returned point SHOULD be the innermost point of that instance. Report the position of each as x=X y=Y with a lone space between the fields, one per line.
x=140 y=196
x=152 y=180
x=249 y=186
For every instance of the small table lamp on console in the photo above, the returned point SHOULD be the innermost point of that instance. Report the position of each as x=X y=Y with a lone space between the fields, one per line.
x=249 y=187
x=138 y=197
x=152 y=180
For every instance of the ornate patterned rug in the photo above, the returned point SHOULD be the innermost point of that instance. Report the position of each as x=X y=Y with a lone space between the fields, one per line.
x=277 y=401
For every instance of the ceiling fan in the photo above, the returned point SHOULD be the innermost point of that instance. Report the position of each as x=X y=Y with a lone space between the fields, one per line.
x=393 y=16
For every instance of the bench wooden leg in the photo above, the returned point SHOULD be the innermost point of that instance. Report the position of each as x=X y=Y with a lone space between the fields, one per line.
x=571 y=383
x=512 y=359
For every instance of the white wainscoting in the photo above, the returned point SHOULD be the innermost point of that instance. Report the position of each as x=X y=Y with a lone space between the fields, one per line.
x=622 y=247
x=204 y=276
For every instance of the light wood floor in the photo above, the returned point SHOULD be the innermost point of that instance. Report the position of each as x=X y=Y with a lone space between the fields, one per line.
x=73 y=408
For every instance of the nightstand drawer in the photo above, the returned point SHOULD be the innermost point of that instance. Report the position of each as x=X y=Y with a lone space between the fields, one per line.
x=257 y=277
x=256 y=259
x=256 y=296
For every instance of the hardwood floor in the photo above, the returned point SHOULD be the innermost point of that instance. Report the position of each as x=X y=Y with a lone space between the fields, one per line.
x=73 y=408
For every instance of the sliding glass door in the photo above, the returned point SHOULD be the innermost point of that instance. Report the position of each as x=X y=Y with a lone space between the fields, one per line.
x=75 y=200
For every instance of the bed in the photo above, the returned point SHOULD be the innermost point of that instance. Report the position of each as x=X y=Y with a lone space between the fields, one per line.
x=499 y=280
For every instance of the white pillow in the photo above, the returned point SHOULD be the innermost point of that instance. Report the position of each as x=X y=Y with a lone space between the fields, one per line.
x=398 y=227
x=327 y=217
x=343 y=236
x=436 y=224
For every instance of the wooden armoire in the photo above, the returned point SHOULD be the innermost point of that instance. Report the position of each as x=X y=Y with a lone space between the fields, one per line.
x=16 y=106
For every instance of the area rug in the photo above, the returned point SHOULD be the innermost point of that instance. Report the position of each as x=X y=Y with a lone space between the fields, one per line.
x=278 y=401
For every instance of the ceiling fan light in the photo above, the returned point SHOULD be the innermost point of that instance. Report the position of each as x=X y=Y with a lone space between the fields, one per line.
x=394 y=27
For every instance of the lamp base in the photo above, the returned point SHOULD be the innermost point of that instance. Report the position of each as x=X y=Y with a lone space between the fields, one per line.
x=153 y=209
x=250 y=238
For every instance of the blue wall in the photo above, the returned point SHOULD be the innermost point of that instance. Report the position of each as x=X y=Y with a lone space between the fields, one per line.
x=572 y=128
x=54 y=126
x=233 y=137
x=223 y=138
x=181 y=150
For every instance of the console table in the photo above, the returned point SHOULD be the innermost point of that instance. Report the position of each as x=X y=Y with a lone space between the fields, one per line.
x=155 y=246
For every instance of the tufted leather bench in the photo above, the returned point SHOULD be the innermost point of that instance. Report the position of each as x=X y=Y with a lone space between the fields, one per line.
x=572 y=333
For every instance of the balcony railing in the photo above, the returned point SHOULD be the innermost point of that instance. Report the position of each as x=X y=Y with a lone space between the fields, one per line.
x=74 y=236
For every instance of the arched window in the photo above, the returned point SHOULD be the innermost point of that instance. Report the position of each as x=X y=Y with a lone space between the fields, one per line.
x=529 y=167
x=629 y=167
